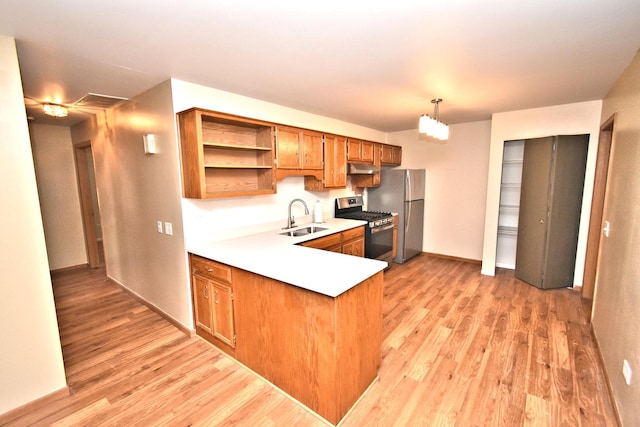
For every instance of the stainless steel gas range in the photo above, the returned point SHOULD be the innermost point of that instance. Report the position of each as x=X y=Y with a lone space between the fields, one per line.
x=378 y=237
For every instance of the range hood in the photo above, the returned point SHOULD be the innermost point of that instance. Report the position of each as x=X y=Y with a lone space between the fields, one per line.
x=362 y=169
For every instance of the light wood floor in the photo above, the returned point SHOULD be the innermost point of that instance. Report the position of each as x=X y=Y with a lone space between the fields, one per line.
x=459 y=349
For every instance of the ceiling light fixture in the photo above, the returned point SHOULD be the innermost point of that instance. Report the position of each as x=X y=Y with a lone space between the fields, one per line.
x=433 y=126
x=55 y=110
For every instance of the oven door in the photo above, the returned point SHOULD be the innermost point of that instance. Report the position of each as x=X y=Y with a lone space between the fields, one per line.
x=378 y=243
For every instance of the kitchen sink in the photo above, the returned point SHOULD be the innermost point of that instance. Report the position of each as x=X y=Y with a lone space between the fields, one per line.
x=303 y=231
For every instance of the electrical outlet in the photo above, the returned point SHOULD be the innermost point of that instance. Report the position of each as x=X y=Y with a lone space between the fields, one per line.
x=626 y=372
x=160 y=227
x=168 y=228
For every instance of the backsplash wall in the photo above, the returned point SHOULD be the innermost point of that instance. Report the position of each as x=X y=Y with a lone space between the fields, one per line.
x=217 y=219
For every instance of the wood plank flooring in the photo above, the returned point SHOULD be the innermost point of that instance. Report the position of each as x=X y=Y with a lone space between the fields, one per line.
x=459 y=349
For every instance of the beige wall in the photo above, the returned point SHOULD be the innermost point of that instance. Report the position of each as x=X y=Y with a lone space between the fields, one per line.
x=31 y=358
x=455 y=193
x=569 y=119
x=58 y=194
x=616 y=316
x=135 y=191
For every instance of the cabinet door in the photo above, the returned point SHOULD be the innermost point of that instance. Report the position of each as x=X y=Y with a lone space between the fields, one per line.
x=386 y=154
x=353 y=150
x=397 y=156
x=223 y=325
x=391 y=155
x=202 y=300
x=347 y=248
x=288 y=148
x=358 y=247
x=312 y=151
x=366 y=151
x=335 y=152
x=354 y=247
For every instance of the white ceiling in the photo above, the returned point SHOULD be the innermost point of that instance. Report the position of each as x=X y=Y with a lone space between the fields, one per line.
x=374 y=63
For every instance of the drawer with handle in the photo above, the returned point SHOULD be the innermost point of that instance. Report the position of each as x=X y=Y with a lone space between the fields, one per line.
x=353 y=233
x=210 y=269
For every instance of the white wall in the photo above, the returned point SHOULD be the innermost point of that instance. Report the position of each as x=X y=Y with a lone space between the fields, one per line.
x=455 y=193
x=569 y=119
x=31 y=357
x=58 y=194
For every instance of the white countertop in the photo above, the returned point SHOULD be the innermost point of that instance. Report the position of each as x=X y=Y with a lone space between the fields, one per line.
x=273 y=255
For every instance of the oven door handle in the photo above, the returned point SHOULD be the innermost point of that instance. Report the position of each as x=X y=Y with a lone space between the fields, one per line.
x=379 y=229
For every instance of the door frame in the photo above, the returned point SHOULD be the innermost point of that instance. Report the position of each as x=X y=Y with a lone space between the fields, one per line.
x=86 y=204
x=605 y=143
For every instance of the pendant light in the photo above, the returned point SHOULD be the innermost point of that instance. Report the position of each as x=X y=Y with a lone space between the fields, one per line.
x=432 y=126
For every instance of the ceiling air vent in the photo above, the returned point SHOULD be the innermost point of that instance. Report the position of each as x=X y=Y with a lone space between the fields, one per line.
x=97 y=101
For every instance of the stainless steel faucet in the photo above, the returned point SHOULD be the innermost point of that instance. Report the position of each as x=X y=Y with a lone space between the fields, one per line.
x=290 y=221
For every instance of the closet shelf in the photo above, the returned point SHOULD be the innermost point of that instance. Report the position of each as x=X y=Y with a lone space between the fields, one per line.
x=508 y=231
x=509 y=208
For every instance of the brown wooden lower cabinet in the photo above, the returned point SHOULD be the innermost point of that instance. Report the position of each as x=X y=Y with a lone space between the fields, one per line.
x=322 y=351
x=350 y=242
x=353 y=241
x=213 y=302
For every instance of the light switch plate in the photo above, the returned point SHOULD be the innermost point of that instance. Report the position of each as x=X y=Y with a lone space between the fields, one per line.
x=160 y=227
x=168 y=228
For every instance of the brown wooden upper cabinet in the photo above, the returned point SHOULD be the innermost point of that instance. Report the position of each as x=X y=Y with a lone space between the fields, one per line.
x=298 y=152
x=225 y=155
x=360 y=151
x=391 y=155
x=335 y=165
x=372 y=180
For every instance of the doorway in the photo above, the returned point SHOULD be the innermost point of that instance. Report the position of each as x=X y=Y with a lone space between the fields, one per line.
x=597 y=207
x=89 y=204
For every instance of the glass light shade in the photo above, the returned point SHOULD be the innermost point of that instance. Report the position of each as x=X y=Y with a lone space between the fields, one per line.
x=55 y=110
x=433 y=127
x=423 y=125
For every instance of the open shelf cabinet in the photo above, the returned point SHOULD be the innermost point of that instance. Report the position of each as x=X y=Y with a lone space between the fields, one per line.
x=509 y=203
x=225 y=156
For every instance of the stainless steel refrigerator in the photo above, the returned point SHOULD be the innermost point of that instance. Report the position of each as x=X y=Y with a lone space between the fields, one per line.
x=402 y=191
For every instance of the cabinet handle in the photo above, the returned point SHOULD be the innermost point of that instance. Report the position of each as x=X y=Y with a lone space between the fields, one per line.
x=209 y=269
x=205 y=292
x=215 y=295
x=542 y=221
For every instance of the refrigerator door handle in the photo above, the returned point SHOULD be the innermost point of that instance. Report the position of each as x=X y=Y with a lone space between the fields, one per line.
x=407 y=219
x=408 y=187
